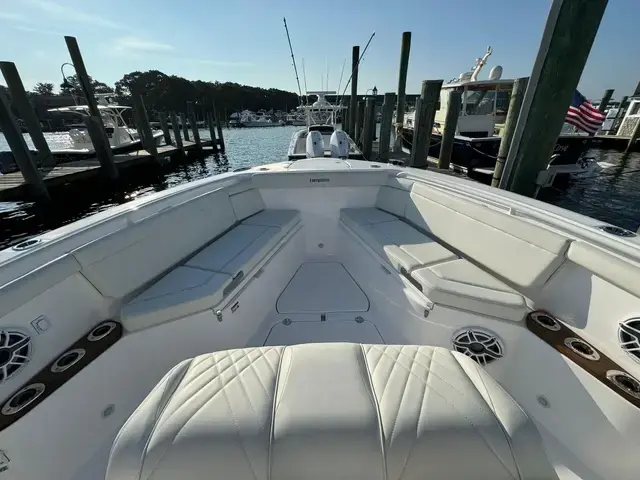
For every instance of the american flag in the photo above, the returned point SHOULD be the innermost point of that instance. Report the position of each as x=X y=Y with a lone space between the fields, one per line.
x=583 y=114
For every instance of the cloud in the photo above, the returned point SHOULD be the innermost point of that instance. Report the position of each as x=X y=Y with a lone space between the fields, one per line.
x=131 y=44
x=11 y=16
x=43 y=31
x=72 y=14
x=222 y=63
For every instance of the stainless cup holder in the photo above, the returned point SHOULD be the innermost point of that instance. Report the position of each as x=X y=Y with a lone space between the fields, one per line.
x=545 y=321
x=581 y=348
x=624 y=382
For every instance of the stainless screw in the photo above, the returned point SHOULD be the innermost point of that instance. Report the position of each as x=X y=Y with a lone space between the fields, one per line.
x=287 y=321
x=542 y=400
x=359 y=319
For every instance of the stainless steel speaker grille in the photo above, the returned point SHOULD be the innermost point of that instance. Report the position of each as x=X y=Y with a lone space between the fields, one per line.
x=15 y=352
x=483 y=346
x=629 y=337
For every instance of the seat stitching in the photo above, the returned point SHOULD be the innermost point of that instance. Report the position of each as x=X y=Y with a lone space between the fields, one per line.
x=245 y=391
x=255 y=372
x=404 y=391
x=286 y=380
x=373 y=372
x=273 y=411
x=374 y=401
x=461 y=414
x=415 y=438
x=384 y=389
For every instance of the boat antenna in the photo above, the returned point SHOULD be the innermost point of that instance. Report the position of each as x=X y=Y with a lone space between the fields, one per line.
x=344 y=62
x=327 y=77
x=304 y=75
x=293 y=58
x=357 y=65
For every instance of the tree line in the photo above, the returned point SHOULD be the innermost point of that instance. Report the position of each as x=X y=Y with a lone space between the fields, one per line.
x=162 y=92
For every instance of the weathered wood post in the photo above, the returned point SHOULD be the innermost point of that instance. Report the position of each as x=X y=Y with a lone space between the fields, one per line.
x=184 y=126
x=100 y=144
x=449 y=131
x=405 y=50
x=368 y=128
x=515 y=104
x=353 y=101
x=216 y=117
x=424 y=122
x=21 y=101
x=176 y=132
x=20 y=151
x=384 y=144
x=345 y=120
x=144 y=128
x=566 y=42
x=634 y=137
x=162 y=118
x=212 y=132
x=105 y=155
x=194 y=124
x=359 y=123
x=616 y=121
x=605 y=100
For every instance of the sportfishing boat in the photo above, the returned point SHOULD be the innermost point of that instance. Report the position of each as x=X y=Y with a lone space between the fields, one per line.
x=483 y=111
x=320 y=319
x=249 y=119
x=122 y=138
x=322 y=137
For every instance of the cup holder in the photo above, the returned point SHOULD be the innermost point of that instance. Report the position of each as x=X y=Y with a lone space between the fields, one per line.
x=545 y=321
x=101 y=331
x=67 y=360
x=625 y=382
x=581 y=348
x=23 y=398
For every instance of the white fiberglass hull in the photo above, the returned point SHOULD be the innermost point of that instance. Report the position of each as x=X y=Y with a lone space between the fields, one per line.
x=318 y=250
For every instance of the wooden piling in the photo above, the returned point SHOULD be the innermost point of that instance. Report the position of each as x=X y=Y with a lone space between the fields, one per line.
x=405 y=50
x=144 y=127
x=345 y=120
x=515 y=104
x=162 y=118
x=194 y=124
x=184 y=126
x=634 y=137
x=619 y=115
x=20 y=151
x=104 y=154
x=176 y=132
x=368 y=128
x=566 y=42
x=212 y=132
x=216 y=117
x=386 y=121
x=359 y=123
x=353 y=101
x=20 y=99
x=449 y=131
x=101 y=145
x=605 y=100
x=424 y=122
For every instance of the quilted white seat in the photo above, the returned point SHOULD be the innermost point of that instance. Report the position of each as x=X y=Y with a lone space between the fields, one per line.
x=329 y=411
x=443 y=277
x=205 y=279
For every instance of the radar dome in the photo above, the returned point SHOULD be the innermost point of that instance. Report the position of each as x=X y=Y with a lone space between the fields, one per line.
x=495 y=73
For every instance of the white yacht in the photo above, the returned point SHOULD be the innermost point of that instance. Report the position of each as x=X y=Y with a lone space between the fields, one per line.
x=322 y=137
x=249 y=119
x=122 y=138
x=322 y=319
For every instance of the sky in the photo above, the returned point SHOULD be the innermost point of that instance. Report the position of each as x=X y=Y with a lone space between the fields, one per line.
x=244 y=41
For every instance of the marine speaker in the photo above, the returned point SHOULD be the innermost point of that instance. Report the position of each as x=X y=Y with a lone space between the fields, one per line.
x=23 y=398
x=629 y=337
x=15 y=353
x=481 y=345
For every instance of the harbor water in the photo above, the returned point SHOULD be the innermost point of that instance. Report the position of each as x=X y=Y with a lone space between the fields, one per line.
x=611 y=195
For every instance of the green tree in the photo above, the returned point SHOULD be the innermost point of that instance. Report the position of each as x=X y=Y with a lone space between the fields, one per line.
x=71 y=86
x=44 y=89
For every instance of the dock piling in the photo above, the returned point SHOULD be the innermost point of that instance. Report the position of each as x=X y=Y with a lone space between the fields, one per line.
x=605 y=100
x=162 y=118
x=359 y=123
x=216 y=117
x=384 y=143
x=353 y=100
x=515 y=104
x=176 y=132
x=425 y=115
x=20 y=151
x=368 y=126
x=449 y=131
x=616 y=121
x=634 y=136
x=194 y=124
x=21 y=101
x=212 y=132
x=184 y=126
x=144 y=128
x=569 y=33
x=101 y=145
x=405 y=50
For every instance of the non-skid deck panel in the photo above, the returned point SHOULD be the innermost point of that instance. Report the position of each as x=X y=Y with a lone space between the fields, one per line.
x=322 y=287
x=319 y=332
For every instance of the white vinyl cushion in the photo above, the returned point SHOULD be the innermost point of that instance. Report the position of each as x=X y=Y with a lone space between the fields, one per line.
x=364 y=216
x=462 y=285
x=201 y=282
x=246 y=203
x=522 y=252
x=329 y=411
x=392 y=200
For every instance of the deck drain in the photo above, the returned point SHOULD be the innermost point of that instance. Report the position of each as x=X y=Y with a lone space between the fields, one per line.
x=286 y=321
x=359 y=319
